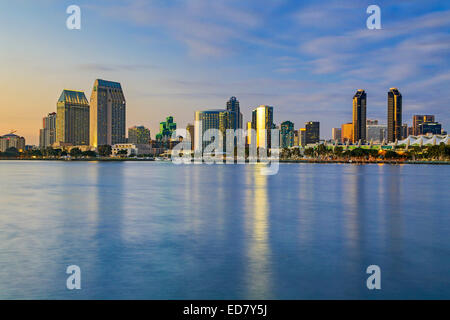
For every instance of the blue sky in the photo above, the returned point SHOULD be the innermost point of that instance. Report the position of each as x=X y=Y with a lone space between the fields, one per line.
x=306 y=58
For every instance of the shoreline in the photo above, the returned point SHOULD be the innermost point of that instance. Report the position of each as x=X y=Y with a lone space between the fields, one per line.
x=350 y=161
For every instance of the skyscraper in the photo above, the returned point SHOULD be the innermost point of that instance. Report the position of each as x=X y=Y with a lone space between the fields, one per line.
x=249 y=137
x=376 y=132
x=191 y=130
x=166 y=128
x=347 y=132
x=394 y=117
x=233 y=106
x=312 y=133
x=138 y=135
x=287 y=134
x=336 y=134
x=108 y=114
x=430 y=128
x=418 y=119
x=262 y=122
x=404 y=131
x=359 y=116
x=47 y=135
x=72 y=118
x=302 y=133
x=211 y=119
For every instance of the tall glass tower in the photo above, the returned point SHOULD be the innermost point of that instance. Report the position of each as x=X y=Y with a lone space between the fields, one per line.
x=211 y=119
x=262 y=122
x=72 y=118
x=108 y=114
x=394 y=117
x=287 y=134
x=233 y=106
x=359 y=116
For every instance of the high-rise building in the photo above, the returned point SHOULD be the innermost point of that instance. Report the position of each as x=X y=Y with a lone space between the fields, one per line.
x=248 y=139
x=302 y=134
x=312 y=134
x=12 y=141
x=211 y=119
x=418 y=119
x=72 y=118
x=287 y=134
x=47 y=135
x=347 y=132
x=430 y=128
x=371 y=122
x=376 y=132
x=138 y=135
x=336 y=134
x=359 y=116
x=394 y=117
x=233 y=106
x=191 y=131
x=108 y=114
x=166 y=128
x=262 y=122
x=296 y=138
x=404 y=131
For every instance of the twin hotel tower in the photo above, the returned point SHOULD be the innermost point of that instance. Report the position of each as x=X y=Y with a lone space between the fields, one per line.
x=80 y=123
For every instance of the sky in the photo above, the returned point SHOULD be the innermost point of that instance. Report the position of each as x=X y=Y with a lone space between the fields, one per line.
x=304 y=58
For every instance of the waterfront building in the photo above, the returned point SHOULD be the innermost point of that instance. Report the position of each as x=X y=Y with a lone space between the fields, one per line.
x=211 y=119
x=418 y=119
x=72 y=118
x=336 y=134
x=302 y=134
x=12 y=140
x=107 y=114
x=428 y=128
x=347 y=132
x=287 y=134
x=359 y=116
x=394 y=115
x=262 y=122
x=296 y=138
x=376 y=133
x=130 y=149
x=312 y=133
x=410 y=131
x=138 y=135
x=233 y=106
x=166 y=128
x=191 y=130
x=248 y=139
x=47 y=135
x=404 y=131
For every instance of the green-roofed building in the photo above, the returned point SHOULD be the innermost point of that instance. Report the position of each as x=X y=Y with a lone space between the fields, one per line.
x=166 y=128
x=72 y=118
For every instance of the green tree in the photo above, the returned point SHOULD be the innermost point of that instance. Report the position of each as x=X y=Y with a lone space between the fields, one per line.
x=391 y=155
x=75 y=152
x=104 y=150
x=89 y=154
x=338 y=151
x=122 y=152
x=11 y=152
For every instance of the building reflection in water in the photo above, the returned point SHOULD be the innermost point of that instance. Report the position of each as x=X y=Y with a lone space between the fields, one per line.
x=259 y=274
x=110 y=248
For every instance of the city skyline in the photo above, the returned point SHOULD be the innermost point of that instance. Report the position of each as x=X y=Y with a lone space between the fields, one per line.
x=305 y=65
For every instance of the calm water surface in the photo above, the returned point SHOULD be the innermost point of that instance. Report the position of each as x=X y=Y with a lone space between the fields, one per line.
x=146 y=230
